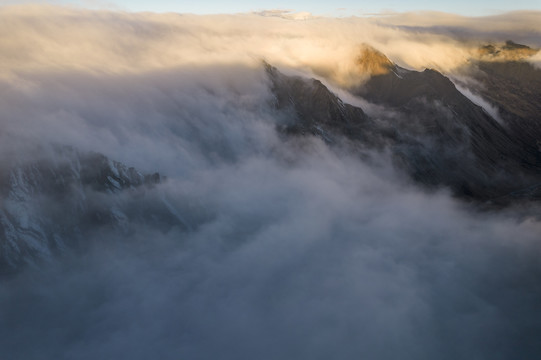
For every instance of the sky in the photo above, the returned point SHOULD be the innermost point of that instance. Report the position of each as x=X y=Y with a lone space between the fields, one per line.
x=321 y=8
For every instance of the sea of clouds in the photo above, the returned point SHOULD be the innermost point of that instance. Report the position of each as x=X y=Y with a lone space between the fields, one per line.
x=293 y=249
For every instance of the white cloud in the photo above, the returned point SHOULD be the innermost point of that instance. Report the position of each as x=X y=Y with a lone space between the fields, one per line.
x=55 y=39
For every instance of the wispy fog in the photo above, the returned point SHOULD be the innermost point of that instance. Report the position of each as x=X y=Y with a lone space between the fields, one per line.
x=293 y=249
x=166 y=121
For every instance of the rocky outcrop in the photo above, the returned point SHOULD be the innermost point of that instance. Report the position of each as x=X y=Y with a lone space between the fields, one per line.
x=58 y=202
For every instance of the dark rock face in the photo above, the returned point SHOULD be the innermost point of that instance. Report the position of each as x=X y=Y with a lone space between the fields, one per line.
x=50 y=205
x=314 y=108
x=471 y=149
x=514 y=87
x=436 y=134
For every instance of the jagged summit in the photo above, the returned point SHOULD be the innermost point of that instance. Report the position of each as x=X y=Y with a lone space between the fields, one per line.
x=373 y=62
x=510 y=51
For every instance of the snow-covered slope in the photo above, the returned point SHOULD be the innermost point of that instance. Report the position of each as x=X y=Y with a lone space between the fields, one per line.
x=52 y=204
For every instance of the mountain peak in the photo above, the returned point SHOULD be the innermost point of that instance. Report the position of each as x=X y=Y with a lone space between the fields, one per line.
x=373 y=62
x=510 y=51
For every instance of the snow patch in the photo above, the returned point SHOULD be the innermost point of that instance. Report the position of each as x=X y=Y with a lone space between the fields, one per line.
x=113 y=182
x=479 y=101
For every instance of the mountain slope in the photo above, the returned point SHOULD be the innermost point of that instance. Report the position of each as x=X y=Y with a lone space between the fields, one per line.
x=435 y=133
x=50 y=205
x=314 y=109
x=513 y=85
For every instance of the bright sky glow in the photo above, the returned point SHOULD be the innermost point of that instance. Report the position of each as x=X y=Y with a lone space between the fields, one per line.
x=323 y=8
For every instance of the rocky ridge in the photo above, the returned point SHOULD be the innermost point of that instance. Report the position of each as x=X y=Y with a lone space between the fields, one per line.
x=48 y=206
